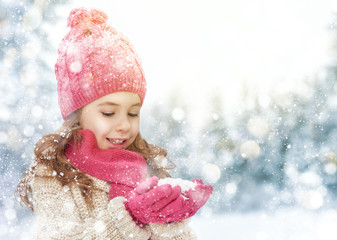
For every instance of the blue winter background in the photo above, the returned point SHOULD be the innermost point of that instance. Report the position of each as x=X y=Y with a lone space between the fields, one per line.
x=241 y=93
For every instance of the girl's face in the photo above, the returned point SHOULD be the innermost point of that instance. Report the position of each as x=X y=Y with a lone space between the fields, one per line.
x=114 y=119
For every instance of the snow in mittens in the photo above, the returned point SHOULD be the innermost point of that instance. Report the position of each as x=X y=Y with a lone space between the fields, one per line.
x=184 y=184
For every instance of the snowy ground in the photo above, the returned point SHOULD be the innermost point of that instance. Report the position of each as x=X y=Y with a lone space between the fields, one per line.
x=291 y=224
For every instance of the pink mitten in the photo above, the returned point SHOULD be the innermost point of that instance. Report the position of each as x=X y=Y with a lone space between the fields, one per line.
x=188 y=203
x=145 y=202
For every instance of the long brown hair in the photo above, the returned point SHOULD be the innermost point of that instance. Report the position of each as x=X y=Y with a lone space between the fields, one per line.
x=49 y=151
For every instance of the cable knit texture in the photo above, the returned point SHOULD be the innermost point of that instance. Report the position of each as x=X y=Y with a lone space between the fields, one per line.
x=95 y=60
x=61 y=213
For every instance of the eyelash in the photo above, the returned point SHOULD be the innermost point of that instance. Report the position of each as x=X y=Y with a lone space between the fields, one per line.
x=133 y=114
x=109 y=114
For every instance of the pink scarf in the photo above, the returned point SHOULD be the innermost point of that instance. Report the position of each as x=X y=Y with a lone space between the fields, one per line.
x=123 y=169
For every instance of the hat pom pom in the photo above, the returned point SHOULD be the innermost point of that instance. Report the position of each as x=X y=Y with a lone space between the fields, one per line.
x=80 y=15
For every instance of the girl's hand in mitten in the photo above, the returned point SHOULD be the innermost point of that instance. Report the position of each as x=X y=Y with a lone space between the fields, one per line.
x=188 y=203
x=146 y=201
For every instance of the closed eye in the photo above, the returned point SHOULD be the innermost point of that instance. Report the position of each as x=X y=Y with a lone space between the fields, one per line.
x=133 y=114
x=108 y=114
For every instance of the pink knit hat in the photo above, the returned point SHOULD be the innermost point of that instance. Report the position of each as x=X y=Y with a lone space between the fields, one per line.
x=95 y=60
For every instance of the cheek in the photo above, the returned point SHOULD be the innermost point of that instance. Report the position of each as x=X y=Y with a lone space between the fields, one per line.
x=133 y=134
x=97 y=126
x=135 y=127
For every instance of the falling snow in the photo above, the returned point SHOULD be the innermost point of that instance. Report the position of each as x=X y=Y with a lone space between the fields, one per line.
x=271 y=156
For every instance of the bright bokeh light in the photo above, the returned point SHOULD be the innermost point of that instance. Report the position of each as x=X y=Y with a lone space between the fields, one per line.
x=32 y=19
x=312 y=200
x=330 y=168
x=310 y=179
x=231 y=188
x=330 y=163
x=250 y=150
x=258 y=127
x=211 y=173
x=178 y=114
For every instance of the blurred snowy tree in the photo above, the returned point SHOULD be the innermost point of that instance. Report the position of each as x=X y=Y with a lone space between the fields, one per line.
x=280 y=154
x=166 y=125
x=278 y=145
x=324 y=128
x=216 y=148
x=27 y=91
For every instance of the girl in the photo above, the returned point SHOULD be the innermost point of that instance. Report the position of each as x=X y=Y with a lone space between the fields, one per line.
x=96 y=177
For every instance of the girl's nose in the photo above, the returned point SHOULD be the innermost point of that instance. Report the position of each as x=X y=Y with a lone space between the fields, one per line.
x=123 y=124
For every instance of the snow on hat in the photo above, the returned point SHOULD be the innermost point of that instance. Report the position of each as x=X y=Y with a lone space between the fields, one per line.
x=95 y=60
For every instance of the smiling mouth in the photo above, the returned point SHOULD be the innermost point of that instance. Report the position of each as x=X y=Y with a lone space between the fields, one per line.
x=116 y=141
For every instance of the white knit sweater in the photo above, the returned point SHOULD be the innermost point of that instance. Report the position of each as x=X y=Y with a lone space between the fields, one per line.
x=61 y=213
